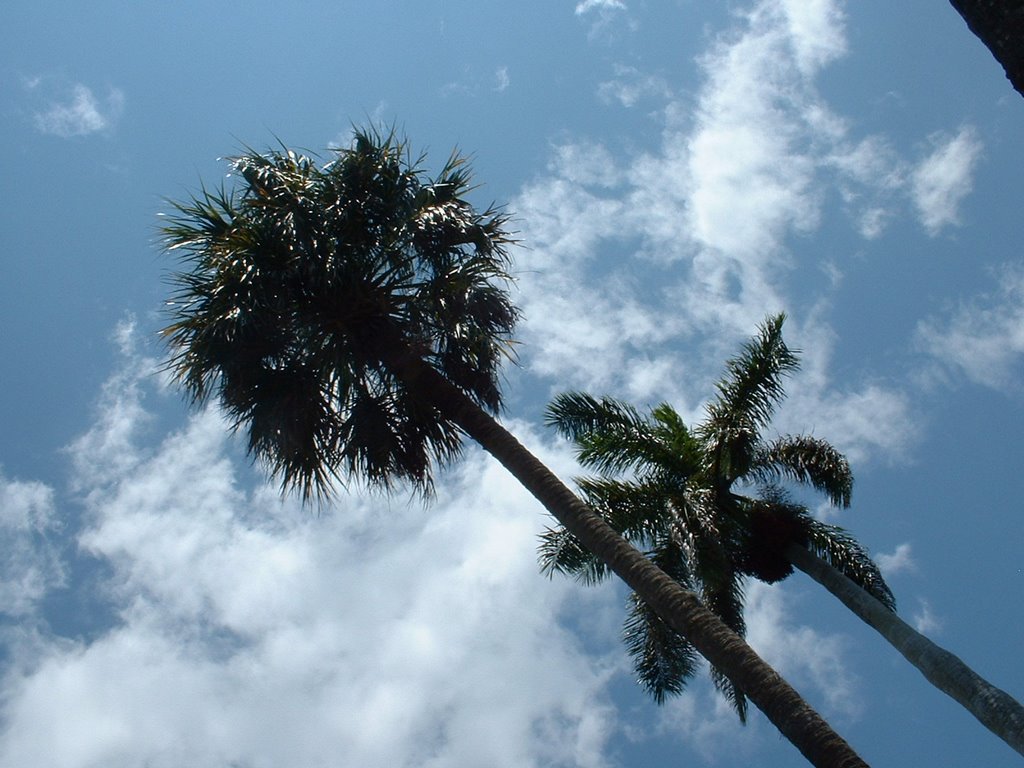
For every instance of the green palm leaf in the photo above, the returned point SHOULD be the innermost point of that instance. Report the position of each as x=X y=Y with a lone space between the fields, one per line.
x=843 y=552
x=805 y=460
x=747 y=397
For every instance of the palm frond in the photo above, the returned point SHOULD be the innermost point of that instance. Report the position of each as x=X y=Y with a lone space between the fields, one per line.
x=843 y=552
x=636 y=509
x=613 y=437
x=731 y=692
x=747 y=397
x=664 y=661
x=560 y=551
x=806 y=460
x=609 y=434
x=630 y=508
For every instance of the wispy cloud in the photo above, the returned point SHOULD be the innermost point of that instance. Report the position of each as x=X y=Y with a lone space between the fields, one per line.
x=643 y=272
x=29 y=562
x=983 y=338
x=474 y=83
x=804 y=655
x=925 y=621
x=898 y=561
x=630 y=86
x=599 y=5
x=944 y=178
x=78 y=112
x=608 y=18
x=501 y=79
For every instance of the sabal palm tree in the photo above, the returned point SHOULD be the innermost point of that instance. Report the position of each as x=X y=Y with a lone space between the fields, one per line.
x=999 y=24
x=351 y=318
x=708 y=506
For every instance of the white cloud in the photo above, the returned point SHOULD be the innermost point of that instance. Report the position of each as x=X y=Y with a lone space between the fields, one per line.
x=925 y=621
x=816 y=31
x=630 y=86
x=80 y=112
x=611 y=18
x=29 y=563
x=474 y=82
x=254 y=633
x=642 y=274
x=703 y=720
x=901 y=559
x=602 y=5
x=983 y=339
x=945 y=178
x=871 y=176
x=502 y=79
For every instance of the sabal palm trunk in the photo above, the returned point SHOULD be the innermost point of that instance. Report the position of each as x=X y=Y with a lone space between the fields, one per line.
x=994 y=708
x=783 y=706
x=999 y=24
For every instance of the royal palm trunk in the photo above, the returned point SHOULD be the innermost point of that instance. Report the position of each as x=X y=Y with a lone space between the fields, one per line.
x=994 y=708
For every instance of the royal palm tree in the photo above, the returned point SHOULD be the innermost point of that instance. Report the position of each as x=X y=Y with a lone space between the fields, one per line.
x=351 y=317
x=708 y=506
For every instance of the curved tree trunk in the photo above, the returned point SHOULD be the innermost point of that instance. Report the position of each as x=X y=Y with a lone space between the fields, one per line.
x=1000 y=26
x=994 y=708
x=797 y=721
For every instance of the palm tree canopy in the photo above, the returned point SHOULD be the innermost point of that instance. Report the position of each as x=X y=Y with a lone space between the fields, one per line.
x=352 y=316
x=673 y=491
x=303 y=278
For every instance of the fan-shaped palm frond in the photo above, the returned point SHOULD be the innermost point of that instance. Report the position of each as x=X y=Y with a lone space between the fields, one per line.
x=301 y=282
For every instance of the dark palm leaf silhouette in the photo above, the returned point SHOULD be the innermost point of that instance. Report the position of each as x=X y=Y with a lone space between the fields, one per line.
x=299 y=281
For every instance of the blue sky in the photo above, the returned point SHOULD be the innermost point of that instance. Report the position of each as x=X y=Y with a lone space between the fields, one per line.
x=677 y=172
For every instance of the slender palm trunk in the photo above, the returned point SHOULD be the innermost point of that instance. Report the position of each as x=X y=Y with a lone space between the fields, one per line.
x=999 y=24
x=797 y=721
x=994 y=708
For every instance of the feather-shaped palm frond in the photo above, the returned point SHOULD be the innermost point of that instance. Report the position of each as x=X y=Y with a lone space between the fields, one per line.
x=746 y=400
x=611 y=436
x=663 y=660
x=843 y=552
x=805 y=460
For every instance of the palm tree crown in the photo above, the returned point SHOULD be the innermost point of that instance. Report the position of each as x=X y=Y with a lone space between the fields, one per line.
x=679 y=494
x=305 y=277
